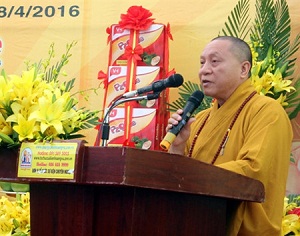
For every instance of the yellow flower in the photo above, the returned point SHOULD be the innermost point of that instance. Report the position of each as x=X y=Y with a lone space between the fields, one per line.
x=281 y=84
x=267 y=76
x=256 y=68
x=291 y=223
x=52 y=113
x=282 y=99
x=51 y=133
x=290 y=220
x=6 y=226
x=262 y=84
x=4 y=94
x=35 y=106
x=28 y=85
x=24 y=128
x=4 y=126
x=15 y=215
x=24 y=107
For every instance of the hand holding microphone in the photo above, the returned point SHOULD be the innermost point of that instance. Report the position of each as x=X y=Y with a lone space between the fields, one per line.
x=191 y=105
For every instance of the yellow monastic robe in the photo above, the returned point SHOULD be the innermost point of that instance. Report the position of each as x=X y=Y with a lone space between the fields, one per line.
x=258 y=146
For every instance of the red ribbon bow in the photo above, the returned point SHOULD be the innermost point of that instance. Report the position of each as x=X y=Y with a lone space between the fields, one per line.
x=102 y=76
x=134 y=54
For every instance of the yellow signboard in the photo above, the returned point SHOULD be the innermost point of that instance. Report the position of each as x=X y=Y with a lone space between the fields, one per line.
x=47 y=160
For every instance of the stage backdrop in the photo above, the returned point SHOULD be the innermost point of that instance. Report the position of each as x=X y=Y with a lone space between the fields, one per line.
x=27 y=28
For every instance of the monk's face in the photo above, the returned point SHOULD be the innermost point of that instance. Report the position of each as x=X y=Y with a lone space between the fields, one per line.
x=221 y=72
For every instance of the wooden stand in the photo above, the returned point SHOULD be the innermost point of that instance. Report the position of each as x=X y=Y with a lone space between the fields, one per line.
x=125 y=191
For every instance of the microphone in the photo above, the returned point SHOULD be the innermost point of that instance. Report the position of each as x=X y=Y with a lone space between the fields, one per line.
x=173 y=81
x=193 y=102
x=105 y=125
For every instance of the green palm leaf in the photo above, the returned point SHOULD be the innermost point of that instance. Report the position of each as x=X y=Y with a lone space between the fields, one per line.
x=283 y=30
x=185 y=92
x=238 y=21
x=272 y=27
x=288 y=56
x=264 y=28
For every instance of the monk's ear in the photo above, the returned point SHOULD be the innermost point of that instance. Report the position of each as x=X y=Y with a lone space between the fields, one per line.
x=245 y=68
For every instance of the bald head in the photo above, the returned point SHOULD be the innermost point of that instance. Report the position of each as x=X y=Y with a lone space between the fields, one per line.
x=239 y=48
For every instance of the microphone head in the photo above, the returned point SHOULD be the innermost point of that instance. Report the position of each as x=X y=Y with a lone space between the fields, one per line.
x=196 y=98
x=175 y=80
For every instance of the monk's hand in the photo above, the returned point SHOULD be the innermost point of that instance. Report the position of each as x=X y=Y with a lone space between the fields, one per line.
x=178 y=144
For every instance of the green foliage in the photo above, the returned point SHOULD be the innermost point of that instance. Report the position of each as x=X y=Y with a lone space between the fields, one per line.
x=294 y=198
x=238 y=21
x=294 y=103
x=50 y=71
x=272 y=28
x=185 y=92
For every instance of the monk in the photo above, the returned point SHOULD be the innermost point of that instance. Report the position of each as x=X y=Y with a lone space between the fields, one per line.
x=243 y=132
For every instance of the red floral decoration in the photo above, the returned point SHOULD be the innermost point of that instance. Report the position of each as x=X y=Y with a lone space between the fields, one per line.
x=137 y=18
x=295 y=211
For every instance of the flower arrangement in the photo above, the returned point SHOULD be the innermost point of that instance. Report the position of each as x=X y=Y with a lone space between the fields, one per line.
x=273 y=63
x=15 y=215
x=291 y=215
x=268 y=79
x=37 y=107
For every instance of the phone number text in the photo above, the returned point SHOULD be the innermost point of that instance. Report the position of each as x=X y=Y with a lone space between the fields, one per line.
x=51 y=171
x=39 y=11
